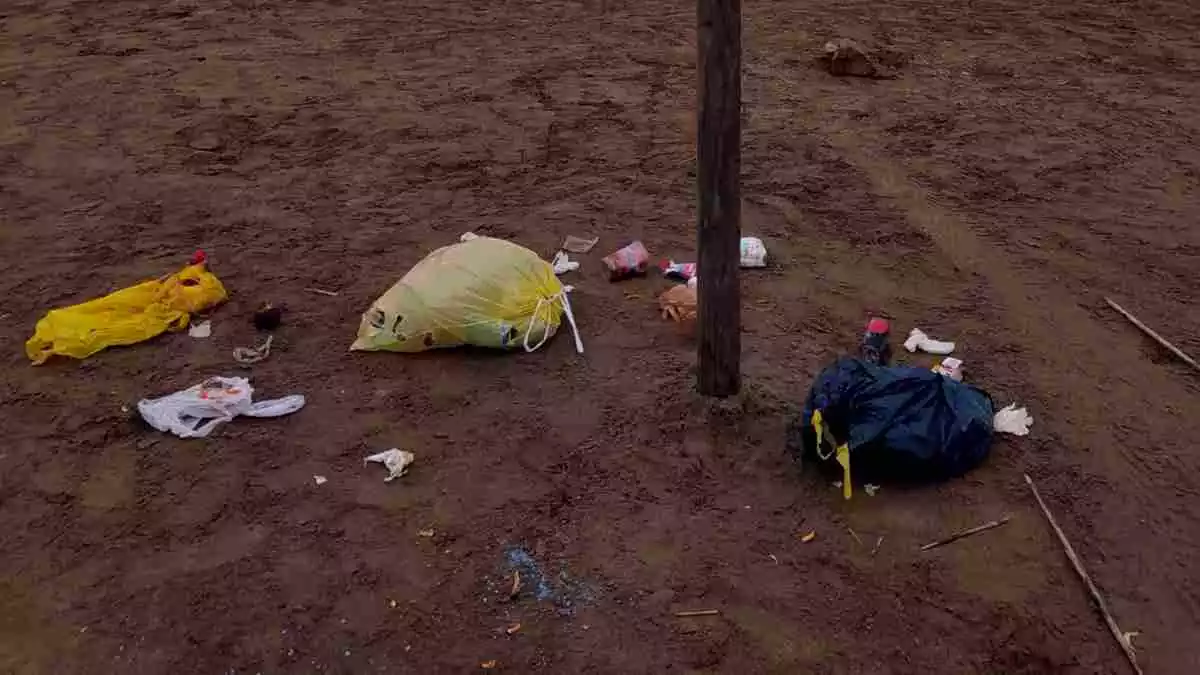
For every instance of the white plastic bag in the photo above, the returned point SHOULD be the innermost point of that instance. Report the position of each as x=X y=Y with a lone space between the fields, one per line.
x=1013 y=420
x=754 y=252
x=196 y=411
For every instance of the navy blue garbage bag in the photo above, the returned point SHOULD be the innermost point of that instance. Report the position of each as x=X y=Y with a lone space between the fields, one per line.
x=899 y=423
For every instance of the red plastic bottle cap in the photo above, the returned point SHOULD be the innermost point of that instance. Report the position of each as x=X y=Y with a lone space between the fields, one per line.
x=199 y=257
x=878 y=326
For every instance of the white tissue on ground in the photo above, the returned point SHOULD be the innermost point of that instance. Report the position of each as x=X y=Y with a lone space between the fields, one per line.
x=395 y=460
x=1013 y=420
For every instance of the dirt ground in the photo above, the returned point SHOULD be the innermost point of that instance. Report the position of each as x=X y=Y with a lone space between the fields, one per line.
x=1032 y=158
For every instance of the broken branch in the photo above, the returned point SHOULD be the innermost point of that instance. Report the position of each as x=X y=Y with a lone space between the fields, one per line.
x=966 y=533
x=1121 y=638
x=1157 y=338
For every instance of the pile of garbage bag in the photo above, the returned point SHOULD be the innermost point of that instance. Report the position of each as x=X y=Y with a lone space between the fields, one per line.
x=892 y=423
x=481 y=291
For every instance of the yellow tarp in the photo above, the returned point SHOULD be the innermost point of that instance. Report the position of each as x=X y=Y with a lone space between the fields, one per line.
x=482 y=291
x=125 y=317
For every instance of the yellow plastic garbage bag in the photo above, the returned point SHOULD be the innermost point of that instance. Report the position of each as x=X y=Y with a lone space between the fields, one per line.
x=483 y=291
x=127 y=316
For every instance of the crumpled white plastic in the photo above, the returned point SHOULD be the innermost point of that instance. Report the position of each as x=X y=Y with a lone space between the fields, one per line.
x=1013 y=420
x=754 y=252
x=196 y=411
x=562 y=263
x=919 y=340
x=395 y=460
x=200 y=330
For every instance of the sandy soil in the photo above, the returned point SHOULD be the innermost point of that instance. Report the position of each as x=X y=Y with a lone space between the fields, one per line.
x=1032 y=158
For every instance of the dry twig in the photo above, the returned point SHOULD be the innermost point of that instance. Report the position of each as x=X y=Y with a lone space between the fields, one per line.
x=1121 y=638
x=966 y=533
x=1157 y=338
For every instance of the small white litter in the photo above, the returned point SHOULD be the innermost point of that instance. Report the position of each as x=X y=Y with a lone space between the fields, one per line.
x=919 y=340
x=754 y=252
x=395 y=460
x=320 y=480
x=951 y=368
x=1013 y=420
x=196 y=411
x=579 y=244
x=200 y=330
x=562 y=263
x=870 y=489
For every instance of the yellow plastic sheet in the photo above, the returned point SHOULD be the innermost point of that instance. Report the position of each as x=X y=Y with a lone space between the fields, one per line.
x=125 y=317
x=483 y=291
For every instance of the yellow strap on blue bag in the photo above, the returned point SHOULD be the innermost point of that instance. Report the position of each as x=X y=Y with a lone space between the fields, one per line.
x=842 y=452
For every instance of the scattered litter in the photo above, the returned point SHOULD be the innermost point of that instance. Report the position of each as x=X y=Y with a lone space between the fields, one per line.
x=579 y=244
x=393 y=604
x=875 y=347
x=126 y=316
x=627 y=262
x=251 y=355
x=1122 y=638
x=196 y=411
x=425 y=533
x=516 y=584
x=268 y=317
x=488 y=665
x=849 y=58
x=1157 y=338
x=396 y=461
x=562 y=263
x=320 y=480
x=966 y=533
x=898 y=423
x=1012 y=420
x=484 y=291
x=200 y=330
x=878 y=543
x=512 y=630
x=772 y=557
x=693 y=283
x=683 y=271
x=678 y=303
x=808 y=537
x=753 y=252
x=919 y=340
x=951 y=368
x=698 y=612
x=322 y=291
x=870 y=489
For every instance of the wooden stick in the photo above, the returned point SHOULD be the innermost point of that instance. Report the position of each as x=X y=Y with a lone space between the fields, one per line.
x=322 y=292
x=855 y=535
x=966 y=533
x=1157 y=338
x=1123 y=641
x=699 y=612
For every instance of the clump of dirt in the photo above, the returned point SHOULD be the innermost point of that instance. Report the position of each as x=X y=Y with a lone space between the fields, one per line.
x=847 y=58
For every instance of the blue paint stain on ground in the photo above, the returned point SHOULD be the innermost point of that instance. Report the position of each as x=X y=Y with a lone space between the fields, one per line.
x=561 y=589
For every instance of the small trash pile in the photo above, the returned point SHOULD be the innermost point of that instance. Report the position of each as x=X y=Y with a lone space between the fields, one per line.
x=898 y=423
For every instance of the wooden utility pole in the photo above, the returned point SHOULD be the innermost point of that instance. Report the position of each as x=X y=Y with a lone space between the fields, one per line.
x=719 y=160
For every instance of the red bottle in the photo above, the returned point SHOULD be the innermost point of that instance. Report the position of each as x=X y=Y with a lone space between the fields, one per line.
x=875 y=347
